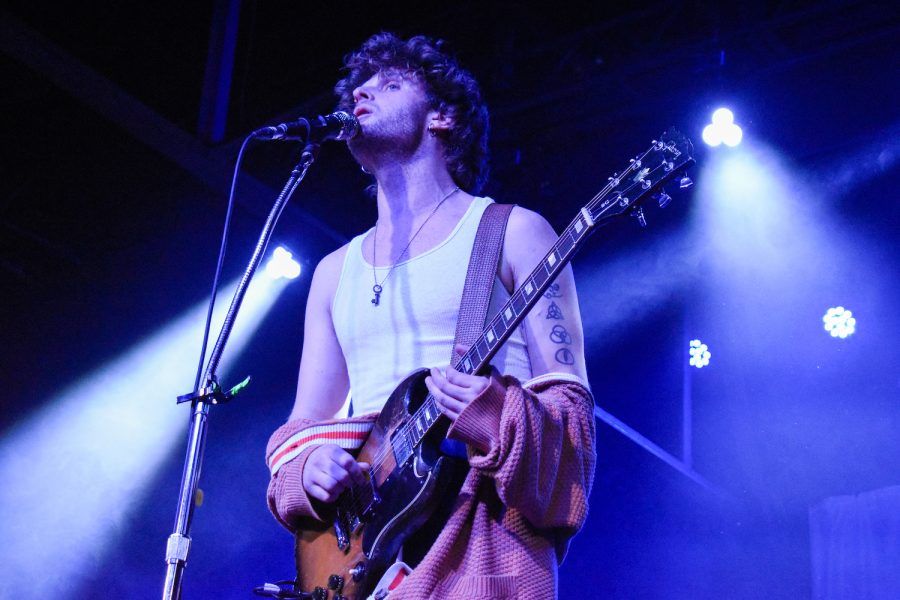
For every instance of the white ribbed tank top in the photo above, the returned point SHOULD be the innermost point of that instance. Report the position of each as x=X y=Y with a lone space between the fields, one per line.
x=415 y=323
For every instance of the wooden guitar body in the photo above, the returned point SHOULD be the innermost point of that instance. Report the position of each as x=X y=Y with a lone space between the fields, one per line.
x=401 y=500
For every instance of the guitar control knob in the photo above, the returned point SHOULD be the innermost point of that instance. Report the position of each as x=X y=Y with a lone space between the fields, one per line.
x=320 y=593
x=358 y=572
x=336 y=582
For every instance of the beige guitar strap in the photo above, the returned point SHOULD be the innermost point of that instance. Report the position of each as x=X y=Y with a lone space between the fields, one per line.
x=476 y=297
x=483 y=266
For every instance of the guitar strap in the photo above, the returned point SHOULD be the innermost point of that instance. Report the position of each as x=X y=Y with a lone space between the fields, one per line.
x=476 y=298
x=483 y=266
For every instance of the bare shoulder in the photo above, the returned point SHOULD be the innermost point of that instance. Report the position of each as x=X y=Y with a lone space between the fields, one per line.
x=524 y=222
x=328 y=274
x=528 y=237
x=331 y=264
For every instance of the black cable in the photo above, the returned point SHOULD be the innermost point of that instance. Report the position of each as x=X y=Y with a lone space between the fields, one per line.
x=215 y=286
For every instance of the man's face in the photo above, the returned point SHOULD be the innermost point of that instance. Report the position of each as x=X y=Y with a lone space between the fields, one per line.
x=392 y=110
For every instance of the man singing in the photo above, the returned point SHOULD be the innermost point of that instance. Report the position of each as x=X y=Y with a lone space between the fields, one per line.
x=387 y=303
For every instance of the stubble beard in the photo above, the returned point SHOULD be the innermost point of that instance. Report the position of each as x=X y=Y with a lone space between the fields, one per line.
x=389 y=138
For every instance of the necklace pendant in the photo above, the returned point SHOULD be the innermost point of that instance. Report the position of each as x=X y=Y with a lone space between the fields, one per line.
x=376 y=289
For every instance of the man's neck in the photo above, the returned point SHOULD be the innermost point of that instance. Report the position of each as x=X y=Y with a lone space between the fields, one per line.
x=409 y=190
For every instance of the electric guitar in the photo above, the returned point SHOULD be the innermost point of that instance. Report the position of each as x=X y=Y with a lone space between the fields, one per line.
x=409 y=475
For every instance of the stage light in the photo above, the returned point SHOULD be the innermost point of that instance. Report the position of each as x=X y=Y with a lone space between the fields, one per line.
x=722 y=129
x=839 y=322
x=722 y=117
x=283 y=265
x=74 y=471
x=700 y=354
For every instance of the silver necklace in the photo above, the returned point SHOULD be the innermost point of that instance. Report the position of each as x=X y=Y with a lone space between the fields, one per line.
x=376 y=289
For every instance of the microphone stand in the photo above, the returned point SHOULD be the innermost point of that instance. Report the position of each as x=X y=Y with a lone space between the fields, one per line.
x=210 y=392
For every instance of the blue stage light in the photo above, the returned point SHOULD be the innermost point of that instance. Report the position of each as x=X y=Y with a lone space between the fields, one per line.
x=76 y=470
x=282 y=264
x=700 y=354
x=722 y=129
x=839 y=322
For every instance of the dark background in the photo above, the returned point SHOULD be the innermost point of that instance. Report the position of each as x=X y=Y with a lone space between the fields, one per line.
x=113 y=195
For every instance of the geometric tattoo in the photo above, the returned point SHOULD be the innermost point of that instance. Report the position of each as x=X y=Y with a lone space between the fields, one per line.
x=553 y=291
x=559 y=335
x=553 y=312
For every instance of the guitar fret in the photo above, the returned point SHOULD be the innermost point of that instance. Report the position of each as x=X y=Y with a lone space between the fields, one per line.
x=508 y=315
x=579 y=225
x=529 y=287
x=482 y=348
x=552 y=258
x=518 y=302
x=541 y=275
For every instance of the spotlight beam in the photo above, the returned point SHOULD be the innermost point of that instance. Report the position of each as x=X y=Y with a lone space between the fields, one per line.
x=73 y=472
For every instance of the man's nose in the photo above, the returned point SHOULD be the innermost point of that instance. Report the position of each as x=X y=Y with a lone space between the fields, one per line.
x=362 y=93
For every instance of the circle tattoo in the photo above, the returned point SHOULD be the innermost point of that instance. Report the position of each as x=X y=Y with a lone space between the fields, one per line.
x=559 y=335
x=565 y=356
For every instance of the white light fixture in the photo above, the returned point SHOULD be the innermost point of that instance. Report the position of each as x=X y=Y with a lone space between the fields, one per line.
x=722 y=130
x=839 y=322
x=282 y=264
x=700 y=354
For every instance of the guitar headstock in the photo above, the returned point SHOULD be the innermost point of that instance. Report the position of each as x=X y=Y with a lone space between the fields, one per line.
x=667 y=158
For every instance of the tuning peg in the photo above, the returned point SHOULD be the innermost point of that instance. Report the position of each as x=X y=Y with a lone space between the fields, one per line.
x=663 y=198
x=638 y=213
x=685 y=182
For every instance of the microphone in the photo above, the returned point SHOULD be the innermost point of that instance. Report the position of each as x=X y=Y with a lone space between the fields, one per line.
x=338 y=125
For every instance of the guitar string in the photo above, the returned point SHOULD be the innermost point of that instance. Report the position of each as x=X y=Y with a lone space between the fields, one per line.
x=379 y=459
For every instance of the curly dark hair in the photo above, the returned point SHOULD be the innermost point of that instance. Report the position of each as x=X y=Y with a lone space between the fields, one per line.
x=448 y=87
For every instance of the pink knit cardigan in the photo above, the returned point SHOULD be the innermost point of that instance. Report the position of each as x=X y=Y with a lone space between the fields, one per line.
x=532 y=456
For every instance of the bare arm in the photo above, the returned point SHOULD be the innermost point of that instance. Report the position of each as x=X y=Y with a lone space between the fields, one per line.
x=323 y=382
x=553 y=328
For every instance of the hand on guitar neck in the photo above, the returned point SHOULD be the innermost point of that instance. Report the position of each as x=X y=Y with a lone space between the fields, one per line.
x=454 y=391
x=330 y=470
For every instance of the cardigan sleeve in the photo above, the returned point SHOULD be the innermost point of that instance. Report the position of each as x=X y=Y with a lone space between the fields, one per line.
x=537 y=444
x=289 y=448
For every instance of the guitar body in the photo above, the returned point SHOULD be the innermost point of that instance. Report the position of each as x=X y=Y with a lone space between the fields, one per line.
x=404 y=497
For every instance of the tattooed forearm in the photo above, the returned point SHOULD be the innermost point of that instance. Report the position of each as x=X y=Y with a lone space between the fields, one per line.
x=559 y=335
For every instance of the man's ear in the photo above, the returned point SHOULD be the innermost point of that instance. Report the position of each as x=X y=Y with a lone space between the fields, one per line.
x=440 y=122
